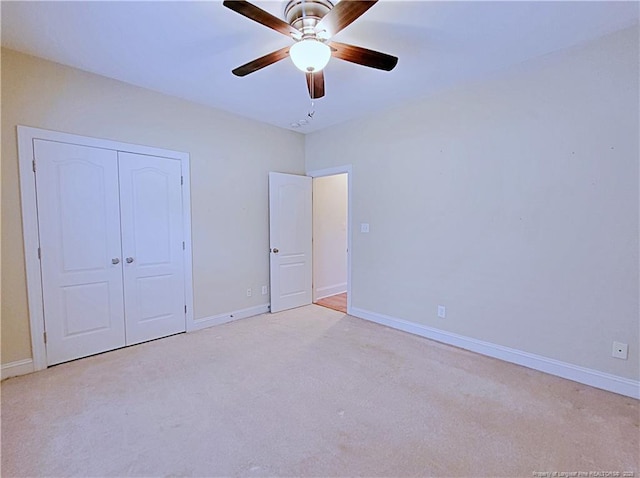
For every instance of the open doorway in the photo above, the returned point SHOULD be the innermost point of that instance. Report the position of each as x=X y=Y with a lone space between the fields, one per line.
x=331 y=241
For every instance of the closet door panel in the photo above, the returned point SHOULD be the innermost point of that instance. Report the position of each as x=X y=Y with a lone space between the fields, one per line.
x=79 y=228
x=151 y=210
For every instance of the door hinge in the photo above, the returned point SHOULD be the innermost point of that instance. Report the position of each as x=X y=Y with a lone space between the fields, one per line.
x=39 y=253
x=185 y=309
x=33 y=165
x=44 y=334
x=183 y=246
x=181 y=180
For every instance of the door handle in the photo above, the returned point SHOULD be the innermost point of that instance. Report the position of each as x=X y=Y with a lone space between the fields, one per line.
x=129 y=260
x=115 y=261
x=275 y=250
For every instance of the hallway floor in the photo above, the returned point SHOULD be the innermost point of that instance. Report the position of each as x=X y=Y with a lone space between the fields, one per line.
x=336 y=302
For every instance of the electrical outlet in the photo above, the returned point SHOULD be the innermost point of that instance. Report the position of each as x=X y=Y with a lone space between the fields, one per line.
x=265 y=290
x=620 y=350
x=249 y=292
x=442 y=311
x=364 y=227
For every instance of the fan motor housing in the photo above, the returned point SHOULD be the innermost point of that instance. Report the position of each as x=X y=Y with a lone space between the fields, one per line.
x=304 y=15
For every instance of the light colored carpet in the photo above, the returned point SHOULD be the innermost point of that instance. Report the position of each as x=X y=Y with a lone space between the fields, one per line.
x=308 y=392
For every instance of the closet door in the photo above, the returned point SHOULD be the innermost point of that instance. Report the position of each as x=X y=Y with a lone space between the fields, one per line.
x=151 y=212
x=81 y=261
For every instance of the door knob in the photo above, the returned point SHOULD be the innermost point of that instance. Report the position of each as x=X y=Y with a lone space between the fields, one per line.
x=129 y=260
x=115 y=261
x=275 y=250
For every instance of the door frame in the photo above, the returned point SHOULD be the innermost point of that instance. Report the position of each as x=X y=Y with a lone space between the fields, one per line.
x=26 y=160
x=348 y=169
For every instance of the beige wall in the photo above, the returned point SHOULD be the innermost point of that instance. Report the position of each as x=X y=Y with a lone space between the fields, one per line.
x=512 y=201
x=329 y=235
x=230 y=159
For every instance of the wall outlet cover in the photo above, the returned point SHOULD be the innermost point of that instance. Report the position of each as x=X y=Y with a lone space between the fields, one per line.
x=620 y=350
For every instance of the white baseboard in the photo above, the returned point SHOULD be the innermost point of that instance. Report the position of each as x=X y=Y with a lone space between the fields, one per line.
x=322 y=292
x=19 y=367
x=205 y=322
x=22 y=367
x=594 y=378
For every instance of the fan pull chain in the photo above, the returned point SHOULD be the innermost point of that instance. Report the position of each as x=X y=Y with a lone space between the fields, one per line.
x=305 y=121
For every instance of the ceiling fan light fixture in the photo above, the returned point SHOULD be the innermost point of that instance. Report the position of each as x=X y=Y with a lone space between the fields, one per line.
x=310 y=55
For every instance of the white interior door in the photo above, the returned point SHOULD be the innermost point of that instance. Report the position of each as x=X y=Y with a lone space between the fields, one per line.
x=152 y=245
x=290 y=234
x=79 y=227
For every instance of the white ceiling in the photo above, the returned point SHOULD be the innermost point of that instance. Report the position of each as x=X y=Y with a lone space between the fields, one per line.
x=188 y=49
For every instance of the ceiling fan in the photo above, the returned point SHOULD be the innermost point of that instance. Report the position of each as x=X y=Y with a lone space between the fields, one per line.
x=312 y=24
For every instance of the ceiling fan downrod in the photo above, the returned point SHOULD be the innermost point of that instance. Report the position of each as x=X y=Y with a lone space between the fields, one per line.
x=304 y=15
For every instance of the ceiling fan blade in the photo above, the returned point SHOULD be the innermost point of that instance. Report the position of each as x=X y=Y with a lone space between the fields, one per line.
x=363 y=56
x=315 y=83
x=342 y=15
x=257 y=14
x=261 y=62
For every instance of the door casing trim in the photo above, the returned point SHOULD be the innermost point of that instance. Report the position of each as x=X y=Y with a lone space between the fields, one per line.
x=348 y=169
x=26 y=136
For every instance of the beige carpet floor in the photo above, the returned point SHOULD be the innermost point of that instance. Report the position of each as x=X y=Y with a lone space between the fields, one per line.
x=309 y=392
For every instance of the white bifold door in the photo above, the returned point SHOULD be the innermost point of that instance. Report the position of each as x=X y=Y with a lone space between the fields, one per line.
x=111 y=247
